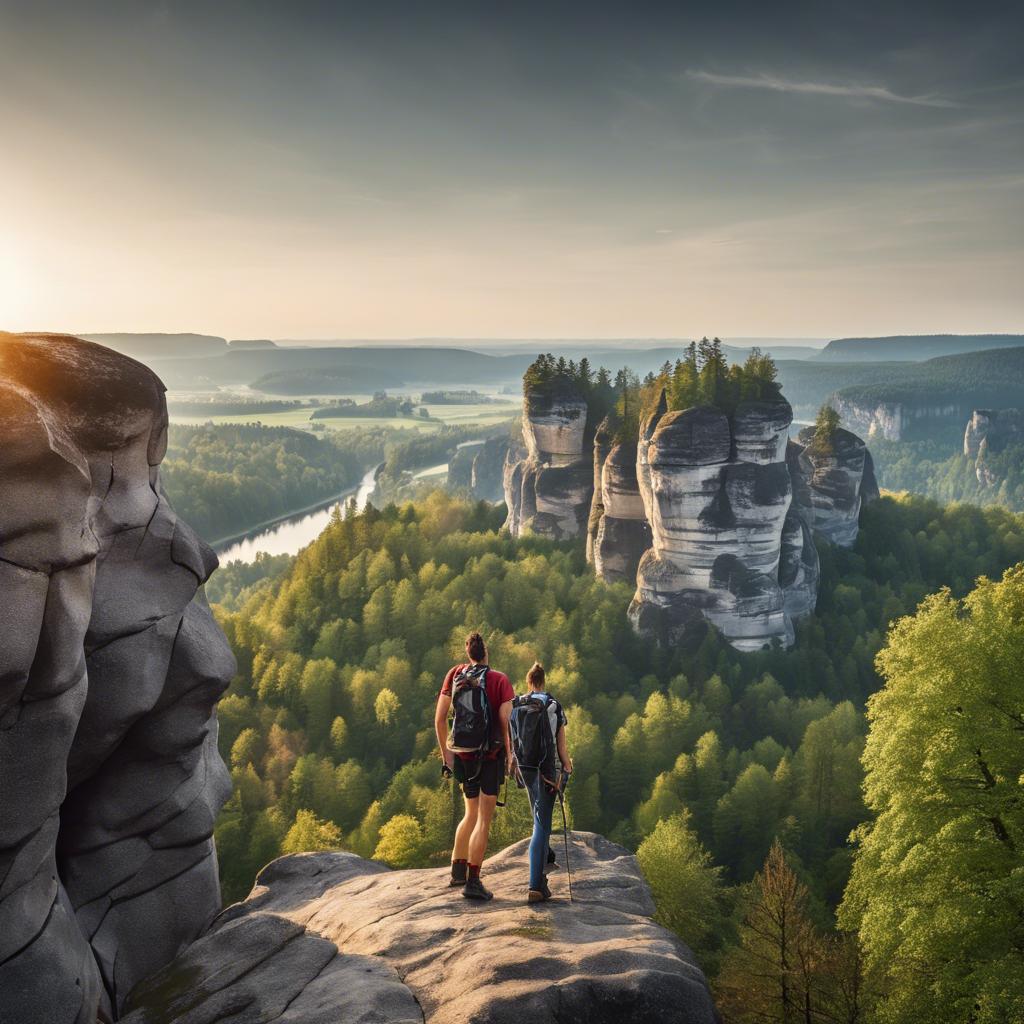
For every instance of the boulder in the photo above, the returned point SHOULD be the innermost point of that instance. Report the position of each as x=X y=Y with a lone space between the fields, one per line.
x=327 y=937
x=110 y=667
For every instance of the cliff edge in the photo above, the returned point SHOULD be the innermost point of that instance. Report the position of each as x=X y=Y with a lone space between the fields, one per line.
x=325 y=937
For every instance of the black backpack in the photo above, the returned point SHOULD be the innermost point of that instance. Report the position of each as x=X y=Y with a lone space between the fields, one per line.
x=471 y=726
x=533 y=737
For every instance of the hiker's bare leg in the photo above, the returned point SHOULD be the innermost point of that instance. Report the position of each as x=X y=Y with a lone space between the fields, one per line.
x=479 y=836
x=460 y=851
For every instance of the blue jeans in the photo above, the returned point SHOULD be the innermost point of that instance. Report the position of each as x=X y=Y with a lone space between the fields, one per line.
x=542 y=800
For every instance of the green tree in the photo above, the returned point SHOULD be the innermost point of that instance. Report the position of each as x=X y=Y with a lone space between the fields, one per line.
x=825 y=426
x=401 y=842
x=687 y=887
x=937 y=890
x=308 y=832
x=774 y=973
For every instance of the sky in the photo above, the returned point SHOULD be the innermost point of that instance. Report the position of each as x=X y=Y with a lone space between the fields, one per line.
x=557 y=170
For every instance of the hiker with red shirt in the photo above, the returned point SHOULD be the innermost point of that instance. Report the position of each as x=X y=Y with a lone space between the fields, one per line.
x=482 y=771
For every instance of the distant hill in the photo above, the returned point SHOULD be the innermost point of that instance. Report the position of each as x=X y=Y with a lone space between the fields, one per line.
x=251 y=343
x=145 y=347
x=393 y=366
x=343 y=381
x=913 y=347
x=991 y=378
x=808 y=383
x=935 y=397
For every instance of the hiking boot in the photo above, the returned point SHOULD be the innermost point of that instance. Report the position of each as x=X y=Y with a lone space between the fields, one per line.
x=459 y=874
x=539 y=895
x=552 y=863
x=474 y=890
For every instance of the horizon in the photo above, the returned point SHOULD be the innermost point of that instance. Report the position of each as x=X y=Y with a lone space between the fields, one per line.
x=303 y=173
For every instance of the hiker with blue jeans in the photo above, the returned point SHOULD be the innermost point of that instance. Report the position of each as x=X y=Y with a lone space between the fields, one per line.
x=538 y=729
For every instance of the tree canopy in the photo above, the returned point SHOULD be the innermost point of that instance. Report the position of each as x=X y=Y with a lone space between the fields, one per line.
x=937 y=890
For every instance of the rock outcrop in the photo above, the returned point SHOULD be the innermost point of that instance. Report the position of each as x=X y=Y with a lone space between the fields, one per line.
x=713 y=515
x=327 y=937
x=110 y=667
x=549 y=491
x=841 y=478
x=717 y=495
x=988 y=432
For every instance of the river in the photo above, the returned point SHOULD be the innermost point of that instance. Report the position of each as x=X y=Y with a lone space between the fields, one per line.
x=291 y=533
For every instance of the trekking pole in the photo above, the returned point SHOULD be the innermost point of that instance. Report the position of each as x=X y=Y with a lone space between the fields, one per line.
x=565 y=838
x=446 y=777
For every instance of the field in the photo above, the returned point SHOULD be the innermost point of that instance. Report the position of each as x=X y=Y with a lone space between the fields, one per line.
x=455 y=415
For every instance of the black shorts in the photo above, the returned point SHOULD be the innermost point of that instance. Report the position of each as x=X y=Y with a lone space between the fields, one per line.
x=481 y=776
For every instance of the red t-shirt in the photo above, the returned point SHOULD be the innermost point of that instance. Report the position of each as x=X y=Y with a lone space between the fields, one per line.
x=499 y=691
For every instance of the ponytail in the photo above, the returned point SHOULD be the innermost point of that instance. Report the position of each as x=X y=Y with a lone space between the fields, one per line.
x=475 y=647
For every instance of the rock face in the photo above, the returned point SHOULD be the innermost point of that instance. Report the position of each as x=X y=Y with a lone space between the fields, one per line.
x=460 y=465
x=487 y=481
x=478 y=467
x=327 y=937
x=988 y=432
x=840 y=480
x=110 y=667
x=622 y=533
x=716 y=495
x=602 y=446
x=894 y=421
x=549 y=491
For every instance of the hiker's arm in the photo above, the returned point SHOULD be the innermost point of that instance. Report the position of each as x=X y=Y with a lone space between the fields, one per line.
x=444 y=702
x=563 y=750
x=506 y=717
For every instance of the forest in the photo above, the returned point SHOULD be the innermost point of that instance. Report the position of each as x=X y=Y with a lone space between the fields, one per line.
x=702 y=376
x=987 y=379
x=224 y=479
x=380 y=405
x=737 y=778
x=940 y=470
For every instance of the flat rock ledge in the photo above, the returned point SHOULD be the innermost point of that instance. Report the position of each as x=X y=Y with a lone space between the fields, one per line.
x=329 y=937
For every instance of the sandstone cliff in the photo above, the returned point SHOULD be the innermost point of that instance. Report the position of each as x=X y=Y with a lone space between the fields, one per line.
x=548 y=492
x=841 y=479
x=111 y=666
x=716 y=494
x=894 y=421
x=330 y=937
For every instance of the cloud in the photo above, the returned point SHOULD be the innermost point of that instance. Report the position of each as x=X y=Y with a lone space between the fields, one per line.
x=775 y=84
